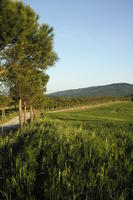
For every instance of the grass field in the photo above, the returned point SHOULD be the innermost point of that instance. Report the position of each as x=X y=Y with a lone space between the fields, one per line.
x=83 y=155
x=118 y=112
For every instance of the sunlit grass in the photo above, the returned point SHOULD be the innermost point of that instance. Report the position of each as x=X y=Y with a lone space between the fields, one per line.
x=116 y=112
x=67 y=156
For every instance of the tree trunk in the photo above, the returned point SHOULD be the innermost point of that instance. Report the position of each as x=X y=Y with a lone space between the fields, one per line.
x=25 y=120
x=20 y=113
x=2 y=120
x=31 y=113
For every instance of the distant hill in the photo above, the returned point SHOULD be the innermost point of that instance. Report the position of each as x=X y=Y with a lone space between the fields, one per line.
x=118 y=89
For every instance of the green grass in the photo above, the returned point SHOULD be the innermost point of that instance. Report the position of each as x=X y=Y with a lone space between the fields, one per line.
x=119 y=112
x=70 y=156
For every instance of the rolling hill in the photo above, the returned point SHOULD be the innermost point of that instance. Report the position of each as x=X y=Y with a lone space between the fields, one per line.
x=118 y=89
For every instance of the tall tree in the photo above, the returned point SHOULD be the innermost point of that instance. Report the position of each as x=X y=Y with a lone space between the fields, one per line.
x=18 y=22
x=34 y=89
x=30 y=49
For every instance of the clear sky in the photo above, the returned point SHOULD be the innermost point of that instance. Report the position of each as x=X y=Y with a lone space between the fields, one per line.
x=93 y=39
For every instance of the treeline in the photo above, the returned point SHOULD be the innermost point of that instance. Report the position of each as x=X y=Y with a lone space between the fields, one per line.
x=26 y=51
x=52 y=103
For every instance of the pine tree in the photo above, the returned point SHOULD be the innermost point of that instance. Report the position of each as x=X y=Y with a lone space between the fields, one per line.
x=26 y=50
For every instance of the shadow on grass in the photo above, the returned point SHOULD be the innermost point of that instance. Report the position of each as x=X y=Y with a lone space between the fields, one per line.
x=8 y=129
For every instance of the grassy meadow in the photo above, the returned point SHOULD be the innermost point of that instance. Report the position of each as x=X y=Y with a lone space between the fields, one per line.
x=79 y=155
x=115 y=112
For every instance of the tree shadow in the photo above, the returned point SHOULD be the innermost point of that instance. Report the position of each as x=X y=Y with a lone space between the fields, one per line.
x=9 y=128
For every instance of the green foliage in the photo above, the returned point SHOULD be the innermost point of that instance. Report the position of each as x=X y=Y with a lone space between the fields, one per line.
x=17 y=21
x=9 y=114
x=35 y=88
x=26 y=51
x=30 y=87
x=58 y=160
x=68 y=102
x=5 y=101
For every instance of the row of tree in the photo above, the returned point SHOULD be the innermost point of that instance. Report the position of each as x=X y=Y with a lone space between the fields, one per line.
x=52 y=103
x=26 y=51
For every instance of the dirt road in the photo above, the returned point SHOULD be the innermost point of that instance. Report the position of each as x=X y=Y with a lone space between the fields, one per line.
x=84 y=107
x=12 y=124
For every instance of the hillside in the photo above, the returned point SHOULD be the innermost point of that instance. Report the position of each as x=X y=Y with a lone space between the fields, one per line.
x=118 y=89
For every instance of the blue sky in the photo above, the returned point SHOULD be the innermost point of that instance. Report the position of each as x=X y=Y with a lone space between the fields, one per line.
x=93 y=39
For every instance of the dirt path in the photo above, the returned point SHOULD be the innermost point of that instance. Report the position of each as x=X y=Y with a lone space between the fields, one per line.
x=12 y=124
x=85 y=107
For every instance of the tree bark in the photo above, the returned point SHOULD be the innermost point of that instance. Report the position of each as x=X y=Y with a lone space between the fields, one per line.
x=2 y=120
x=20 y=113
x=31 y=113
x=25 y=120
